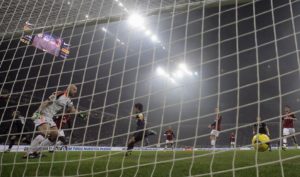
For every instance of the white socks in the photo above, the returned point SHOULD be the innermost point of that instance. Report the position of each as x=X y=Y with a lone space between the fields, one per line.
x=213 y=142
x=45 y=144
x=284 y=141
x=34 y=146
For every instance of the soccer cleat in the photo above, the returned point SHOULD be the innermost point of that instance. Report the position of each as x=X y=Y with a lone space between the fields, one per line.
x=283 y=148
x=7 y=150
x=51 y=149
x=34 y=155
x=25 y=156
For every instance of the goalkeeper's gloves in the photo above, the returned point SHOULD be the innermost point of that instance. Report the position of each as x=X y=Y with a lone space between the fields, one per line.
x=83 y=115
x=36 y=115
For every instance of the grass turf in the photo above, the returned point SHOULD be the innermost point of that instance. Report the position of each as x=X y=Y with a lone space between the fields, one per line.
x=142 y=164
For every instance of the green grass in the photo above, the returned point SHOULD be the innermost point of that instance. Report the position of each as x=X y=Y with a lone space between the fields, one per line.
x=142 y=164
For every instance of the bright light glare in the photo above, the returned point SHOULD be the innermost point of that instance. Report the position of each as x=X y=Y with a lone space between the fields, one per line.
x=104 y=29
x=136 y=20
x=120 y=4
x=172 y=80
x=196 y=73
x=184 y=68
x=160 y=71
x=178 y=74
x=86 y=16
x=148 y=33
x=154 y=38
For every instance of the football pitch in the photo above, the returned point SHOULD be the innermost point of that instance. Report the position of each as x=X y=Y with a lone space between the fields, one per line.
x=156 y=164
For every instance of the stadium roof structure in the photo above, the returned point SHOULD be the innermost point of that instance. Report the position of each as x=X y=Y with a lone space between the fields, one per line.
x=48 y=14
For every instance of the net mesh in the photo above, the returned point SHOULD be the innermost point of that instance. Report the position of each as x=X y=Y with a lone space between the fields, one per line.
x=181 y=59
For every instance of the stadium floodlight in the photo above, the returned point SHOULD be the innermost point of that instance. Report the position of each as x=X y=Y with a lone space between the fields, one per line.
x=154 y=38
x=136 y=20
x=160 y=71
x=178 y=74
x=104 y=29
x=121 y=4
x=184 y=68
x=172 y=80
x=148 y=33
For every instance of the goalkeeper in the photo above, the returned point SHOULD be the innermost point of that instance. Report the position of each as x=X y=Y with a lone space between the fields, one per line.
x=261 y=128
x=140 y=128
x=47 y=130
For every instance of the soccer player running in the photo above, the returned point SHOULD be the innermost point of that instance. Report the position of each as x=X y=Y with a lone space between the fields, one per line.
x=288 y=126
x=19 y=129
x=169 y=134
x=140 y=128
x=215 y=128
x=261 y=128
x=47 y=130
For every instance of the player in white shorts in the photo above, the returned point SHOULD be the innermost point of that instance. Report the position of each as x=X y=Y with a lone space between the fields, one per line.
x=61 y=121
x=47 y=131
x=215 y=128
x=288 y=126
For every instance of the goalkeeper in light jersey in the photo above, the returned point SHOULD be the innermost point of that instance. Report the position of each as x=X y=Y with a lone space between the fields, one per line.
x=47 y=130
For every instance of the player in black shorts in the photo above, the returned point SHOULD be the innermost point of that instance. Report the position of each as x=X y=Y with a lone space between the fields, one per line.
x=261 y=128
x=140 y=128
x=19 y=129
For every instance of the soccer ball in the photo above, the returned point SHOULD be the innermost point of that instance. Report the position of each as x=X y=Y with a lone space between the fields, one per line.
x=259 y=142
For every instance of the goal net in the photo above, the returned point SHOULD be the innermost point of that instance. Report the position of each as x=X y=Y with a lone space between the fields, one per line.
x=209 y=74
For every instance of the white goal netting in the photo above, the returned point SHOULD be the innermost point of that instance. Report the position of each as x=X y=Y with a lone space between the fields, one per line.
x=181 y=59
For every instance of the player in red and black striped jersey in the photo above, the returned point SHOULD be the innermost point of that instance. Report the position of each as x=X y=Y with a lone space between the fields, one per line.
x=169 y=134
x=288 y=126
x=232 y=140
x=215 y=128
